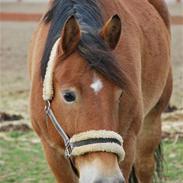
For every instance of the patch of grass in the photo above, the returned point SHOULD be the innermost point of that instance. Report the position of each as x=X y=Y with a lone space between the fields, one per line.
x=173 y=164
x=22 y=160
x=16 y=134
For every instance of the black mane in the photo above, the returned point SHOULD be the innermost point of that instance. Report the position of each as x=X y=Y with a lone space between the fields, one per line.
x=91 y=47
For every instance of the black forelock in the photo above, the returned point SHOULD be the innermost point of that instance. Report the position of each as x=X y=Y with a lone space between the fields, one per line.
x=99 y=57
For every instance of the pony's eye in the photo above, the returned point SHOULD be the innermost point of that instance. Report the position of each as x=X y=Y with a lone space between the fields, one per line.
x=69 y=96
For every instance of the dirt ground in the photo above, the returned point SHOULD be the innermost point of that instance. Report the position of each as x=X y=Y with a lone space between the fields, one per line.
x=14 y=79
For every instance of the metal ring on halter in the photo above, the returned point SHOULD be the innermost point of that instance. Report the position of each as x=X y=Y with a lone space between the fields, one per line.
x=68 y=150
x=47 y=106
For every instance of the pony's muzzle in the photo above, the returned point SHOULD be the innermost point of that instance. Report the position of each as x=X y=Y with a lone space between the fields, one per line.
x=99 y=167
x=97 y=153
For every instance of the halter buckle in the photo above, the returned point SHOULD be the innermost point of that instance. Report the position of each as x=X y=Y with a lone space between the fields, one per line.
x=68 y=149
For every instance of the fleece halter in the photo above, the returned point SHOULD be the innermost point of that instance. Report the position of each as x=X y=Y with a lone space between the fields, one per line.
x=81 y=143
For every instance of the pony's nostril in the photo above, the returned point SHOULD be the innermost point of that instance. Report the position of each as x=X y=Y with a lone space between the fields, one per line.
x=122 y=180
x=98 y=181
x=110 y=180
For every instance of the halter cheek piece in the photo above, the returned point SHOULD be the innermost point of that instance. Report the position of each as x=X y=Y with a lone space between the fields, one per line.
x=68 y=145
x=85 y=142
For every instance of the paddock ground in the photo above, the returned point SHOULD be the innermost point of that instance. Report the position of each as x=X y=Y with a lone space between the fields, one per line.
x=14 y=85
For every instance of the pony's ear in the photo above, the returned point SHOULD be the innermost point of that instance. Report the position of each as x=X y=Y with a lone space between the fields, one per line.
x=111 y=31
x=70 y=36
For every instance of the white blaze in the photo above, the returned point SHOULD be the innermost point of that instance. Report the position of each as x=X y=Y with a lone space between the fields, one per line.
x=97 y=84
x=93 y=171
x=89 y=173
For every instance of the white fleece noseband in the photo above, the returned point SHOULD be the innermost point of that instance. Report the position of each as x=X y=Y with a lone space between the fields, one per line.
x=107 y=146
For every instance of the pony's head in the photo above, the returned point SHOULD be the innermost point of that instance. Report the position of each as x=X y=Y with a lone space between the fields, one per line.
x=84 y=83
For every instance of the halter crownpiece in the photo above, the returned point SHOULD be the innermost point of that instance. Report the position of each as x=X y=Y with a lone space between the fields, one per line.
x=48 y=80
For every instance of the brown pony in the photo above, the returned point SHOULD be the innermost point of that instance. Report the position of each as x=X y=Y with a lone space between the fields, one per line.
x=101 y=67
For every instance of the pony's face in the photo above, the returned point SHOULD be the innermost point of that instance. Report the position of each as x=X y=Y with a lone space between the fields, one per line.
x=85 y=100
